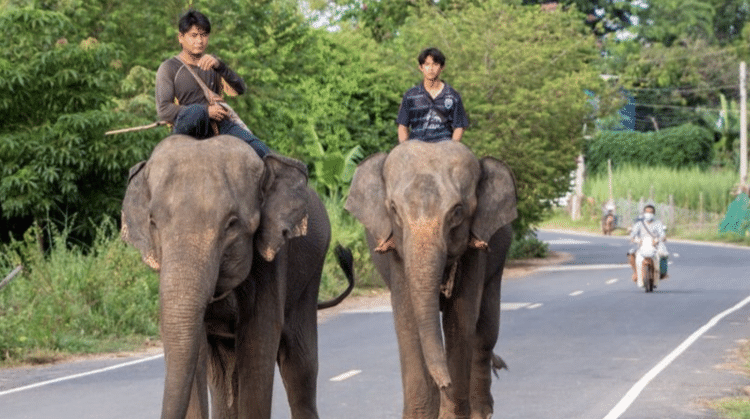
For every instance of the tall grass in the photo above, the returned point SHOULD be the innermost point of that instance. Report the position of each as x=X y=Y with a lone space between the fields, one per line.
x=685 y=185
x=75 y=299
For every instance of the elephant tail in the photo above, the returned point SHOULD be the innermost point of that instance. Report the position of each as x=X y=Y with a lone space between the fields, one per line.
x=498 y=364
x=346 y=261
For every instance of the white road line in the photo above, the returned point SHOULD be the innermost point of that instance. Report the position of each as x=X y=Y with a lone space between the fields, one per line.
x=633 y=393
x=583 y=267
x=612 y=281
x=83 y=374
x=533 y=306
x=513 y=306
x=388 y=309
x=376 y=309
x=346 y=375
x=576 y=293
x=567 y=241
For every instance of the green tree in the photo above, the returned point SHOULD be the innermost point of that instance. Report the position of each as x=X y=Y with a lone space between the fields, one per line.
x=381 y=19
x=56 y=96
x=663 y=21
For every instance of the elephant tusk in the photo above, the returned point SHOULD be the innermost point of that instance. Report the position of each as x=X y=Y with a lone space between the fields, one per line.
x=151 y=261
x=386 y=245
x=476 y=243
x=300 y=229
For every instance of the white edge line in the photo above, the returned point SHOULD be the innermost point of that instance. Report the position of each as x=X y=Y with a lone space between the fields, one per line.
x=582 y=267
x=634 y=391
x=83 y=374
x=346 y=375
x=575 y=293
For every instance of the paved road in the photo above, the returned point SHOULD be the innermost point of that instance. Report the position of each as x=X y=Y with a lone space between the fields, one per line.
x=581 y=340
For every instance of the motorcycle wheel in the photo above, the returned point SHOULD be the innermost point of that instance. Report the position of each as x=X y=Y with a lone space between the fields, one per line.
x=648 y=277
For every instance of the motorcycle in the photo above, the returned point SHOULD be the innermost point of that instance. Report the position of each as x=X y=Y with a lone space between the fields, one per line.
x=609 y=223
x=652 y=264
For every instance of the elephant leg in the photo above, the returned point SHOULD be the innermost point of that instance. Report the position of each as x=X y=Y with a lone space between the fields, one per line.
x=488 y=327
x=421 y=394
x=257 y=342
x=459 y=325
x=298 y=356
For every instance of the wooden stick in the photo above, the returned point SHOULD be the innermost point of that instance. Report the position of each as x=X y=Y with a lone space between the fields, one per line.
x=133 y=129
x=10 y=276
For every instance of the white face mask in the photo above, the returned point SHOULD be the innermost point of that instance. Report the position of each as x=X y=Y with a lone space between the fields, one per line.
x=648 y=216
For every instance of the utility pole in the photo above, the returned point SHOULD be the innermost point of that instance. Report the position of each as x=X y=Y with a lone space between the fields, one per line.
x=743 y=125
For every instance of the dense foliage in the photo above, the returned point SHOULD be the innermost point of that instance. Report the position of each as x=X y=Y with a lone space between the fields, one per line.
x=327 y=98
x=75 y=299
x=530 y=76
x=684 y=146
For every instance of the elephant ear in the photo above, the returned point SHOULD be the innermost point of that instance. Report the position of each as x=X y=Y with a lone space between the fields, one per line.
x=496 y=201
x=284 y=196
x=135 y=216
x=366 y=201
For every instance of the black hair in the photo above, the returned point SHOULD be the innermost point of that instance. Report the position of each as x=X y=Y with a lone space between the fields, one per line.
x=433 y=52
x=193 y=18
x=649 y=206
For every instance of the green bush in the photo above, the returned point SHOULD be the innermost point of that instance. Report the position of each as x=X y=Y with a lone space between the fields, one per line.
x=348 y=232
x=677 y=147
x=528 y=246
x=75 y=299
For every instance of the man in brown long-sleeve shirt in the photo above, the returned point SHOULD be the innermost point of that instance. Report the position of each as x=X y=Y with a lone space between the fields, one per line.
x=193 y=113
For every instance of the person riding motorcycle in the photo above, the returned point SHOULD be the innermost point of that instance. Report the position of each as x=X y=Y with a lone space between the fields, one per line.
x=649 y=234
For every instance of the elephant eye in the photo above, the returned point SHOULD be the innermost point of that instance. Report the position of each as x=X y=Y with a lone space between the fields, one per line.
x=457 y=214
x=395 y=213
x=232 y=222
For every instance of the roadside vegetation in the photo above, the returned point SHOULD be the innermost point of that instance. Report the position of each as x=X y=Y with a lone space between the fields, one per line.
x=78 y=299
x=70 y=71
x=699 y=200
x=737 y=407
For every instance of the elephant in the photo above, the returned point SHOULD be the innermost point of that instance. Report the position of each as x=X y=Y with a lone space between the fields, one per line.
x=437 y=221
x=239 y=243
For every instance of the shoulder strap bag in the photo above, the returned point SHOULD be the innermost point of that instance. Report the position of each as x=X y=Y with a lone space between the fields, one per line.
x=214 y=99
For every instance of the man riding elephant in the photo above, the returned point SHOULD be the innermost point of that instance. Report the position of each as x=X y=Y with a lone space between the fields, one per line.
x=180 y=78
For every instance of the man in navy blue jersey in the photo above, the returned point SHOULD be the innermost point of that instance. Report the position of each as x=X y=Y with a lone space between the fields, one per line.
x=432 y=110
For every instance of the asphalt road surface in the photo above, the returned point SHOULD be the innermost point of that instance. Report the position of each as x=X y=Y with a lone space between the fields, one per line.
x=581 y=341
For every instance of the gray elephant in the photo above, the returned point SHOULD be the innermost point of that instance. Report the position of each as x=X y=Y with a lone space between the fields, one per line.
x=239 y=244
x=437 y=221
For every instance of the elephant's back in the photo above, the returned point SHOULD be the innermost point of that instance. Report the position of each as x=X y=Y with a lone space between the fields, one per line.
x=222 y=153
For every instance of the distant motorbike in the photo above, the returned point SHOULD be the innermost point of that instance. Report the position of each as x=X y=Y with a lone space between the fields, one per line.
x=650 y=270
x=609 y=223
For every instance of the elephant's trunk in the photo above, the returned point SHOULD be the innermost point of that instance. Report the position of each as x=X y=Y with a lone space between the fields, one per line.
x=425 y=263
x=186 y=286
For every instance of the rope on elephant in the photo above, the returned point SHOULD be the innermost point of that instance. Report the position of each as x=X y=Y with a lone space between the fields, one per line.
x=447 y=287
x=133 y=129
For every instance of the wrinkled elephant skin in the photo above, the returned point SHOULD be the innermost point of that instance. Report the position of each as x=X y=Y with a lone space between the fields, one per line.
x=239 y=244
x=438 y=226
